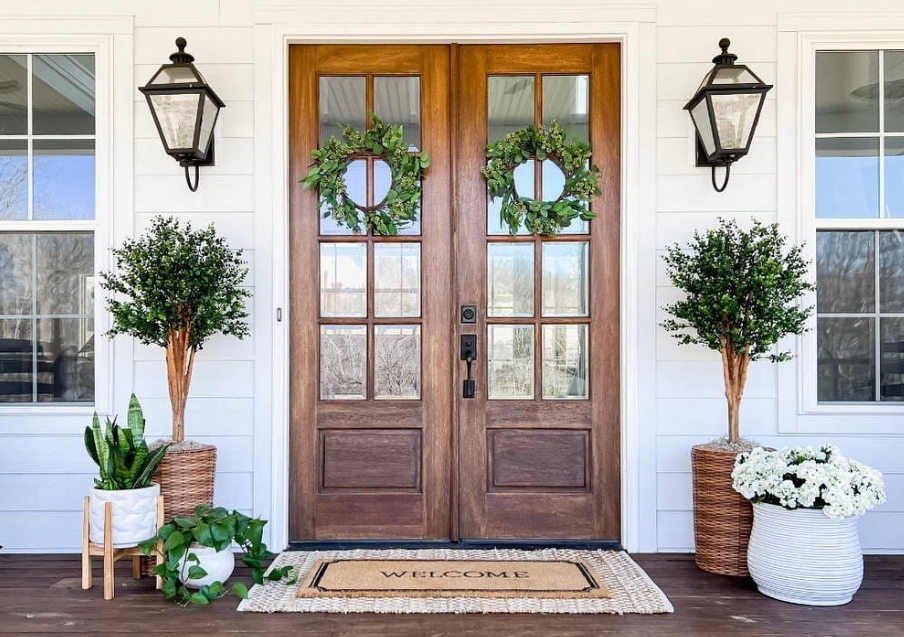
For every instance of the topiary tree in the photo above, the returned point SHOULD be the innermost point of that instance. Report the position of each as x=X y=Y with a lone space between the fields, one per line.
x=741 y=296
x=176 y=287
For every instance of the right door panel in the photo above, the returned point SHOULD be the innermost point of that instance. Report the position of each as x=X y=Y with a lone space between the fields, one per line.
x=538 y=452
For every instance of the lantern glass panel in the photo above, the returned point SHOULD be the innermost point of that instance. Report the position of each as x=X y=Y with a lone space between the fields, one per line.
x=176 y=75
x=177 y=115
x=735 y=116
x=209 y=114
x=700 y=115
x=734 y=75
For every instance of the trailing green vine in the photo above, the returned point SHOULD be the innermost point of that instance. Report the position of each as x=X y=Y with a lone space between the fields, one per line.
x=399 y=207
x=546 y=218
x=217 y=528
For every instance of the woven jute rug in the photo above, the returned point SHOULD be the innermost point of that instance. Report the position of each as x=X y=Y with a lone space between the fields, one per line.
x=499 y=581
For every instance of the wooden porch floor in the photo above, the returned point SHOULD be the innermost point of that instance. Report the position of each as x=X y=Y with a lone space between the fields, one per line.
x=42 y=594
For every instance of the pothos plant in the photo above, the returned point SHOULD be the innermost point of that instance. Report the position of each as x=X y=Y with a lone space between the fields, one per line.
x=216 y=528
x=547 y=143
x=399 y=207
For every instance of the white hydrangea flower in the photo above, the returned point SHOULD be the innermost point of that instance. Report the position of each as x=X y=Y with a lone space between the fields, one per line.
x=803 y=477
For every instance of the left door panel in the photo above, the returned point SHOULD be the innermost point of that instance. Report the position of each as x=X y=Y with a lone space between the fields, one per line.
x=370 y=316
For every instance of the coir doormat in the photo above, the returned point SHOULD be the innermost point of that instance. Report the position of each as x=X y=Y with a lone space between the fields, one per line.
x=459 y=581
x=443 y=578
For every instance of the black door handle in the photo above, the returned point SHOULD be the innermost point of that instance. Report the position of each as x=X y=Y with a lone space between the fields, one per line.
x=469 y=355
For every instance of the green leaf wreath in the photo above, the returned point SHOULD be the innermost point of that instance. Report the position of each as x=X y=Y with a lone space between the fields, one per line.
x=545 y=143
x=399 y=207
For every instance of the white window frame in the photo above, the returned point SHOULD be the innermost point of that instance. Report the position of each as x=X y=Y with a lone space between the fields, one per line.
x=108 y=39
x=800 y=37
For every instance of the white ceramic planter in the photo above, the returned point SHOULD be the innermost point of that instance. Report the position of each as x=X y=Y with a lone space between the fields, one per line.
x=134 y=515
x=803 y=556
x=218 y=564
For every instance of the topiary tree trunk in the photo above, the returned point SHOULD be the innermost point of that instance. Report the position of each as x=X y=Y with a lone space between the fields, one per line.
x=734 y=369
x=180 y=359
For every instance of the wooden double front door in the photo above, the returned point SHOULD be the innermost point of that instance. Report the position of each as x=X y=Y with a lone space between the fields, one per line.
x=383 y=443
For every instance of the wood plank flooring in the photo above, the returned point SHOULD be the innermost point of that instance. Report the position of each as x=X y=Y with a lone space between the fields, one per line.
x=41 y=594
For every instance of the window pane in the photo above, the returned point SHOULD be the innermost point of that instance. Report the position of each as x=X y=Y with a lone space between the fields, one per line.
x=65 y=273
x=846 y=359
x=891 y=271
x=524 y=184
x=13 y=178
x=397 y=279
x=894 y=175
x=65 y=360
x=397 y=100
x=63 y=179
x=845 y=272
x=356 y=187
x=16 y=361
x=565 y=269
x=564 y=361
x=553 y=184
x=397 y=361
x=382 y=184
x=510 y=362
x=63 y=94
x=566 y=98
x=16 y=274
x=510 y=104
x=343 y=359
x=342 y=101
x=847 y=91
x=847 y=177
x=14 y=91
x=343 y=279
x=892 y=380
x=510 y=279
x=894 y=91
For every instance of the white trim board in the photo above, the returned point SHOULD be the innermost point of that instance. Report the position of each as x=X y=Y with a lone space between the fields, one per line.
x=633 y=28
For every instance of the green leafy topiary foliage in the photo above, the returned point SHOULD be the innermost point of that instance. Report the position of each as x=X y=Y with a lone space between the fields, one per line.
x=742 y=290
x=122 y=455
x=176 y=287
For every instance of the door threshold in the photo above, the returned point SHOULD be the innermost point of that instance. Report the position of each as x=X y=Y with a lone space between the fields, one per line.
x=526 y=545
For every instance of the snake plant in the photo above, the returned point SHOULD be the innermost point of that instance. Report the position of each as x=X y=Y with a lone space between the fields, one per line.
x=122 y=454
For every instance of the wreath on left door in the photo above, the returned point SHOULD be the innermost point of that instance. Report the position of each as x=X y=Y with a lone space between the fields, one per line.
x=399 y=208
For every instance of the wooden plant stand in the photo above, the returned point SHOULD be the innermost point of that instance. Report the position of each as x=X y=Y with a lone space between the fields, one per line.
x=110 y=554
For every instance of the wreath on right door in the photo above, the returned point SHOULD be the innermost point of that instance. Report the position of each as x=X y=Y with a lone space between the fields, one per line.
x=544 y=218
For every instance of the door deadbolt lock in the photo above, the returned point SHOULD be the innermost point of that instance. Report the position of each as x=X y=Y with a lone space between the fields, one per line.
x=468 y=313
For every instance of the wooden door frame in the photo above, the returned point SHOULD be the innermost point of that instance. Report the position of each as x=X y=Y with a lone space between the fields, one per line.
x=634 y=30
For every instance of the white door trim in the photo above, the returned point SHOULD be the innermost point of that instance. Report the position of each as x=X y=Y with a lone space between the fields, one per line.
x=634 y=29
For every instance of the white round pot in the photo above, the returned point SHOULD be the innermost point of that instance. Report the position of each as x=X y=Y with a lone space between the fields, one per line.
x=802 y=556
x=218 y=564
x=134 y=515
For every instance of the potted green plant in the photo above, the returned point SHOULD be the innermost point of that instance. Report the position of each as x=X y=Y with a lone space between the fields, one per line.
x=198 y=557
x=126 y=467
x=742 y=291
x=175 y=287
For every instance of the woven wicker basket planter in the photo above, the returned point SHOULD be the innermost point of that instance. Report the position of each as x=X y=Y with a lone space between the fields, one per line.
x=186 y=479
x=722 y=517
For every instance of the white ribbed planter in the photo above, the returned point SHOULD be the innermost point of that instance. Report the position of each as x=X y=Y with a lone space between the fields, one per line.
x=803 y=556
x=218 y=564
x=134 y=515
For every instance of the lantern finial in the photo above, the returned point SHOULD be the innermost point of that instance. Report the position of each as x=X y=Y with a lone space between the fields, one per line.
x=725 y=58
x=180 y=56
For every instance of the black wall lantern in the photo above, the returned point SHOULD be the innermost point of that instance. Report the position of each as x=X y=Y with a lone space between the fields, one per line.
x=185 y=111
x=725 y=111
